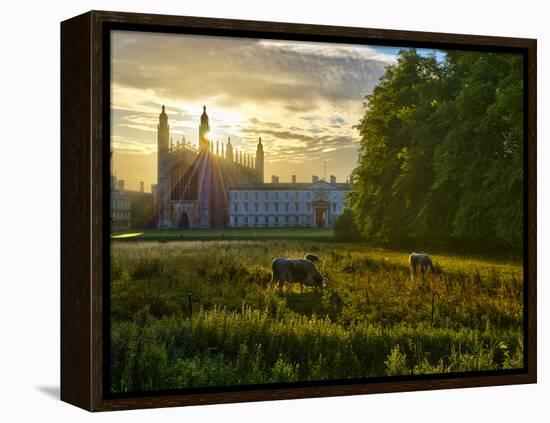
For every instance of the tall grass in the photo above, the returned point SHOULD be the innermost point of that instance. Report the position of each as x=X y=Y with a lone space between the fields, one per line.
x=372 y=320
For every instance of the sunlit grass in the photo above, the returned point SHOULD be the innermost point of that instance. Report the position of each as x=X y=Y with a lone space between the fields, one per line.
x=128 y=235
x=221 y=234
x=372 y=320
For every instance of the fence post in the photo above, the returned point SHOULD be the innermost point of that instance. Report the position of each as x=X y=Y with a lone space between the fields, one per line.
x=433 y=305
x=190 y=300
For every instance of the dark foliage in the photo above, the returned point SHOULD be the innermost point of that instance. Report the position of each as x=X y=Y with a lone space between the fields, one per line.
x=442 y=150
x=345 y=228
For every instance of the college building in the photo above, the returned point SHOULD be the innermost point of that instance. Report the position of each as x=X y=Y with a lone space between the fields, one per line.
x=315 y=204
x=217 y=186
x=120 y=210
x=192 y=189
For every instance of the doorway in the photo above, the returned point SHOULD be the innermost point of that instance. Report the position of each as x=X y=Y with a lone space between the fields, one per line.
x=320 y=214
x=184 y=221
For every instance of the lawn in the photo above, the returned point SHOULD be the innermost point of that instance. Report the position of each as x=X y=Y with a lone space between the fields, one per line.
x=372 y=320
x=228 y=234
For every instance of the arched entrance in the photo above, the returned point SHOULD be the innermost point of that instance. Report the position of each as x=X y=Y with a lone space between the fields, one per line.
x=321 y=209
x=320 y=217
x=184 y=221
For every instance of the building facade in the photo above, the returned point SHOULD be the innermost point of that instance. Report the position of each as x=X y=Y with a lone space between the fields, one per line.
x=315 y=204
x=217 y=186
x=142 y=208
x=120 y=212
x=192 y=189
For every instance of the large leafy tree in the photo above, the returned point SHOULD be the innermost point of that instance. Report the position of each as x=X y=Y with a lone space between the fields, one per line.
x=441 y=151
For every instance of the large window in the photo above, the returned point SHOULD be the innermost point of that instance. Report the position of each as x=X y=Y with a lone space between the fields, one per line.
x=184 y=182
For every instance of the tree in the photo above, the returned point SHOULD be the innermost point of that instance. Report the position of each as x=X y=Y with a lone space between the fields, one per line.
x=441 y=151
x=345 y=228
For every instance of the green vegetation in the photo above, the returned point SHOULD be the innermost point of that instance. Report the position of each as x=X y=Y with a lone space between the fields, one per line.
x=229 y=234
x=372 y=320
x=441 y=165
x=345 y=228
x=442 y=151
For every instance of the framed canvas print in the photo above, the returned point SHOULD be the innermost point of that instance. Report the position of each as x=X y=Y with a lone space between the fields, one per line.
x=257 y=210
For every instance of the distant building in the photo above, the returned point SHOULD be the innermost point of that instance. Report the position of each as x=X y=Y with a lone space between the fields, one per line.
x=315 y=204
x=142 y=208
x=192 y=184
x=217 y=186
x=120 y=205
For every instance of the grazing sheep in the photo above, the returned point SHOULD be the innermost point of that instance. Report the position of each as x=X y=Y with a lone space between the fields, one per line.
x=312 y=257
x=420 y=263
x=299 y=271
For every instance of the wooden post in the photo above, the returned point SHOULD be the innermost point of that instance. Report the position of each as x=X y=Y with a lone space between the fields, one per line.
x=190 y=300
x=433 y=305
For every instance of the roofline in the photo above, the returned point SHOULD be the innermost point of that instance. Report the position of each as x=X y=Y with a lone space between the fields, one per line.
x=339 y=186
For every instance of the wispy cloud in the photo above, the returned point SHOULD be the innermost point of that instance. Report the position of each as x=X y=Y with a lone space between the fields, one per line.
x=302 y=98
x=131 y=146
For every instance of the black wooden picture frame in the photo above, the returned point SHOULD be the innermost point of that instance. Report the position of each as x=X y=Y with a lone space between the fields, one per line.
x=85 y=204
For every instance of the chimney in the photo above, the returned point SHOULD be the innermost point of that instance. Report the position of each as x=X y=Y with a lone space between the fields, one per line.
x=121 y=185
x=293 y=179
x=314 y=179
x=142 y=186
x=332 y=179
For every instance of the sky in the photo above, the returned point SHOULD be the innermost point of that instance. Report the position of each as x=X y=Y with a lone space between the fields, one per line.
x=302 y=98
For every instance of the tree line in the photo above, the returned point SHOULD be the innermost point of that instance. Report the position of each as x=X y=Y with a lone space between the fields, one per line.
x=441 y=156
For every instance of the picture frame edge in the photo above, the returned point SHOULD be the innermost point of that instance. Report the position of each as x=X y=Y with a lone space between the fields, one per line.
x=82 y=165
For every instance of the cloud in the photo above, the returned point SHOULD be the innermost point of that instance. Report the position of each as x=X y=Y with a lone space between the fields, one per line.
x=310 y=118
x=317 y=130
x=283 y=135
x=236 y=69
x=302 y=98
x=331 y=50
x=130 y=146
x=257 y=122
x=337 y=120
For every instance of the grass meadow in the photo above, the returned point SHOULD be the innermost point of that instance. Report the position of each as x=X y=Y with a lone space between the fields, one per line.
x=372 y=320
x=318 y=234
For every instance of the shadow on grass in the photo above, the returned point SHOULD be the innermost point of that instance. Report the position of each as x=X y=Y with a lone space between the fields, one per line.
x=306 y=303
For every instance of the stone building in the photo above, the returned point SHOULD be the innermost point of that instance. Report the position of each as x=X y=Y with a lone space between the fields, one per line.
x=192 y=189
x=142 y=208
x=120 y=211
x=315 y=204
x=217 y=186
